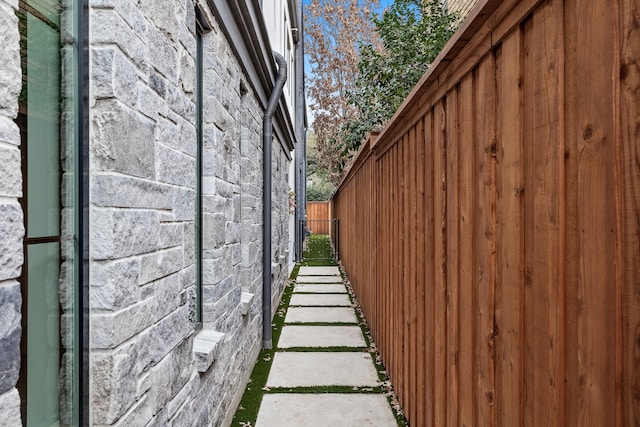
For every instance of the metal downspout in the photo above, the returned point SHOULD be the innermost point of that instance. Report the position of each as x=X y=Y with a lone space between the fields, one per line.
x=267 y=136
x=301 y=155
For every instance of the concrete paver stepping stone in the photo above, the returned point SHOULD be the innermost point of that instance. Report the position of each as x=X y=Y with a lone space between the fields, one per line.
x=308 y=369
x=320 y=288
x=319 y=279
x=320 y=314
x=323 y=410
x=319 y=271
x=321 y=336
x=320 y=300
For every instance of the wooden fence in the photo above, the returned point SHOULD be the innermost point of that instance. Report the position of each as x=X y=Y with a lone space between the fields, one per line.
x=318 y=217
x=492 y=230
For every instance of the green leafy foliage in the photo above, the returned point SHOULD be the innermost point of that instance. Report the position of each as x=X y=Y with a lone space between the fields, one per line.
x=319 y=184
x=413 y=33
x=320 y=192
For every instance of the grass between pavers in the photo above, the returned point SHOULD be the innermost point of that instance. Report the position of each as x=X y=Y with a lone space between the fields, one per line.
x=322 y=324
x=247 y=412
x=331 y=349
x=318 y=293
x=318 y=252
x=333 y=389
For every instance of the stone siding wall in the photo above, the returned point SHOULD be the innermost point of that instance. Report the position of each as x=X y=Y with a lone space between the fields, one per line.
x=142 y=187
x=11 y=218
x=280 y=223
x=143 y=162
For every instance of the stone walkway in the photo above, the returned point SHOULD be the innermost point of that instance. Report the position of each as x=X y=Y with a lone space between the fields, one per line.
x=321 y=345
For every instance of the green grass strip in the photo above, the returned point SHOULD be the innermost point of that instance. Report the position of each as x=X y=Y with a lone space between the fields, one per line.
x=321 y=306
x=321 y=324
x=318 y=251
x=326 y=389
x=322 y=350
x=319 y=293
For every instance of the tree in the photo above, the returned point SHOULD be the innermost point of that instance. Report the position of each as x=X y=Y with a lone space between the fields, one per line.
x=319 y=187
x=334 y=29
x=413 y=32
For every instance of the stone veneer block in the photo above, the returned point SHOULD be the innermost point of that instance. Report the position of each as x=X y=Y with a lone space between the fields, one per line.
x=10 y=408
x=10 y=72
x=12 y=232
x=205 y=348
x=320 y=314
x=307 y=369
x=321 y=336
x=10 y=172
x=319 y=279
x=319 y=271
x=246 y=300
x=10 y=304
x=123 y=140
x=320 y=410
x=320 y=288
x=320 y=300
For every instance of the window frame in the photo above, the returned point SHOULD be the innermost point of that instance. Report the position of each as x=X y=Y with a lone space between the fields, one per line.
x=202 y=27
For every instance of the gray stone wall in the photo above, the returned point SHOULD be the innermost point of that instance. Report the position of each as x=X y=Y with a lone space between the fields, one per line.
x=11 y=219
x=232 y=192
x=143 y=179
x=142 y=192
x=280 y=222
x=251 y=197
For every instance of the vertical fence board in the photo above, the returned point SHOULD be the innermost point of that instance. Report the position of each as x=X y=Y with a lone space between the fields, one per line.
x=452 y=241
x=440 y=254
x=467 y=179
x=410 y=276
x=510 y=277
x=591 y=323
x=419 y=274
x=388 y=286
x=629 y=228
x=396 y=361
x=403 y=270
x=484 y=231
x=429 y=276
x=383 y=230
x=541 y=217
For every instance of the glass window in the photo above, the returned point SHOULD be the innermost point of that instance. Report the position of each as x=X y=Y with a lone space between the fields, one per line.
x=48 y=122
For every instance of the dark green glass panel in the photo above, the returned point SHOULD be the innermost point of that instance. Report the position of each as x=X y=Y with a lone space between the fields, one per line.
x=43 y=338
x=47 y=10
x=43 y=128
